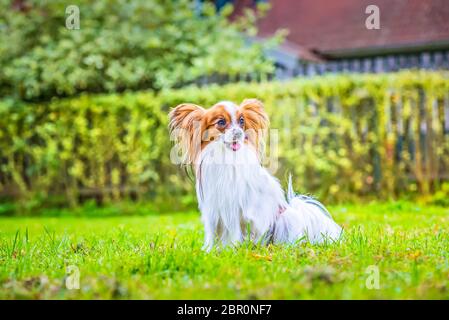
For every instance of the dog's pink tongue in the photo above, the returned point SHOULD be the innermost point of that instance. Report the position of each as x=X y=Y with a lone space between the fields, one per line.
x=235 y=146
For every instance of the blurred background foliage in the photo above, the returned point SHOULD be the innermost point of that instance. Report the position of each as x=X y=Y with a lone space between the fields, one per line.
x=83 y=113
x=343 y=137
x=122 y=45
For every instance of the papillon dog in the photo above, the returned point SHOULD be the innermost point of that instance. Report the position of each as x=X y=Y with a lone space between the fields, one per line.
x=237 y=196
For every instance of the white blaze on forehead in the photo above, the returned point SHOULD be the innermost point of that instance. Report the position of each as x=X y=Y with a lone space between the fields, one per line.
x=231 y=108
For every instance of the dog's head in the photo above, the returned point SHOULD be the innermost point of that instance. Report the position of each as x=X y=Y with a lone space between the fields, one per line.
x=226 y=123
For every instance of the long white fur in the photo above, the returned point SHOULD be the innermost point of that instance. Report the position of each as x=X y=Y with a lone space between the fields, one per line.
x=235 y=192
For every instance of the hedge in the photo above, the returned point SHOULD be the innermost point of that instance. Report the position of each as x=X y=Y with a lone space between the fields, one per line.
x=341 y=136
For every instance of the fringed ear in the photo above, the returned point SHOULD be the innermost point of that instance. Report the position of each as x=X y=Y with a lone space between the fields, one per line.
x=256 y=121
x=185 y=130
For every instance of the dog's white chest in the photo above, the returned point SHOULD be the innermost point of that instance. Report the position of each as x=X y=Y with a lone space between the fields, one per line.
x=239 y=191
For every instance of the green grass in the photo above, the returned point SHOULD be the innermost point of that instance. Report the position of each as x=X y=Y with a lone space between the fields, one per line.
x=160 y=257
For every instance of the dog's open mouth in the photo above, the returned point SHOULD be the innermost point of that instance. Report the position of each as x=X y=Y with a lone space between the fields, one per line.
x=234 y=145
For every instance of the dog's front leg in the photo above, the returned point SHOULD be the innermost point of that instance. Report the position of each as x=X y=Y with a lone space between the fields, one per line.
x=210 y=223
x=233 y=235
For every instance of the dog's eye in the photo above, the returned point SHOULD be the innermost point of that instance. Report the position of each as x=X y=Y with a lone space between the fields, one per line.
x=241 y=121
x=221 y=122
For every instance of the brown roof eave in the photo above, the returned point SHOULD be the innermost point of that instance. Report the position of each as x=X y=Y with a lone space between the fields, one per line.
x=385 y=50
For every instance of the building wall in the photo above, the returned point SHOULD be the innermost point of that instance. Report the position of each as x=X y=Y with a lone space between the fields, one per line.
x=376 y=64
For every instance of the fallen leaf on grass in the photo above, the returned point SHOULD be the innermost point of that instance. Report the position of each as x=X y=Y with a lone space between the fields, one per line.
x=260 y=257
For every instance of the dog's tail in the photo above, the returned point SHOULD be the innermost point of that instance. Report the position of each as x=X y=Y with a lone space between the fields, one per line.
x=290 y=193
x=310 y=200
x=306 y=218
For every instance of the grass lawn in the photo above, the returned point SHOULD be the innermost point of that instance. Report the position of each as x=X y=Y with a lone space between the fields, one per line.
x=160 y=257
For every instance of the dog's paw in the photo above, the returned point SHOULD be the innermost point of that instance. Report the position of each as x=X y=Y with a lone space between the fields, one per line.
x=207 y=247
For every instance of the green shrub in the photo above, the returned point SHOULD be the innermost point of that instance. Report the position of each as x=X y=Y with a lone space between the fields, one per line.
x=341 y=136
x=120 y=45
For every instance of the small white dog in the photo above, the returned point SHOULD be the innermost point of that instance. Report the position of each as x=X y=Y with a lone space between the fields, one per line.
x=236 y=195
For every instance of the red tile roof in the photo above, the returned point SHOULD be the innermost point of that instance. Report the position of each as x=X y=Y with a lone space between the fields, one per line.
x=336 y=27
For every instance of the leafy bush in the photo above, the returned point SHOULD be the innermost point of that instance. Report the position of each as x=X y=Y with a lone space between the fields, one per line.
x=120 y=45
x=342 y=137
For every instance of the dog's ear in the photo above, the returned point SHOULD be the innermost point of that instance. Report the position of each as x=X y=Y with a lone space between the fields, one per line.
x=185 y=128
x=256 y=120
x=184 y=115
x=254 y=113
